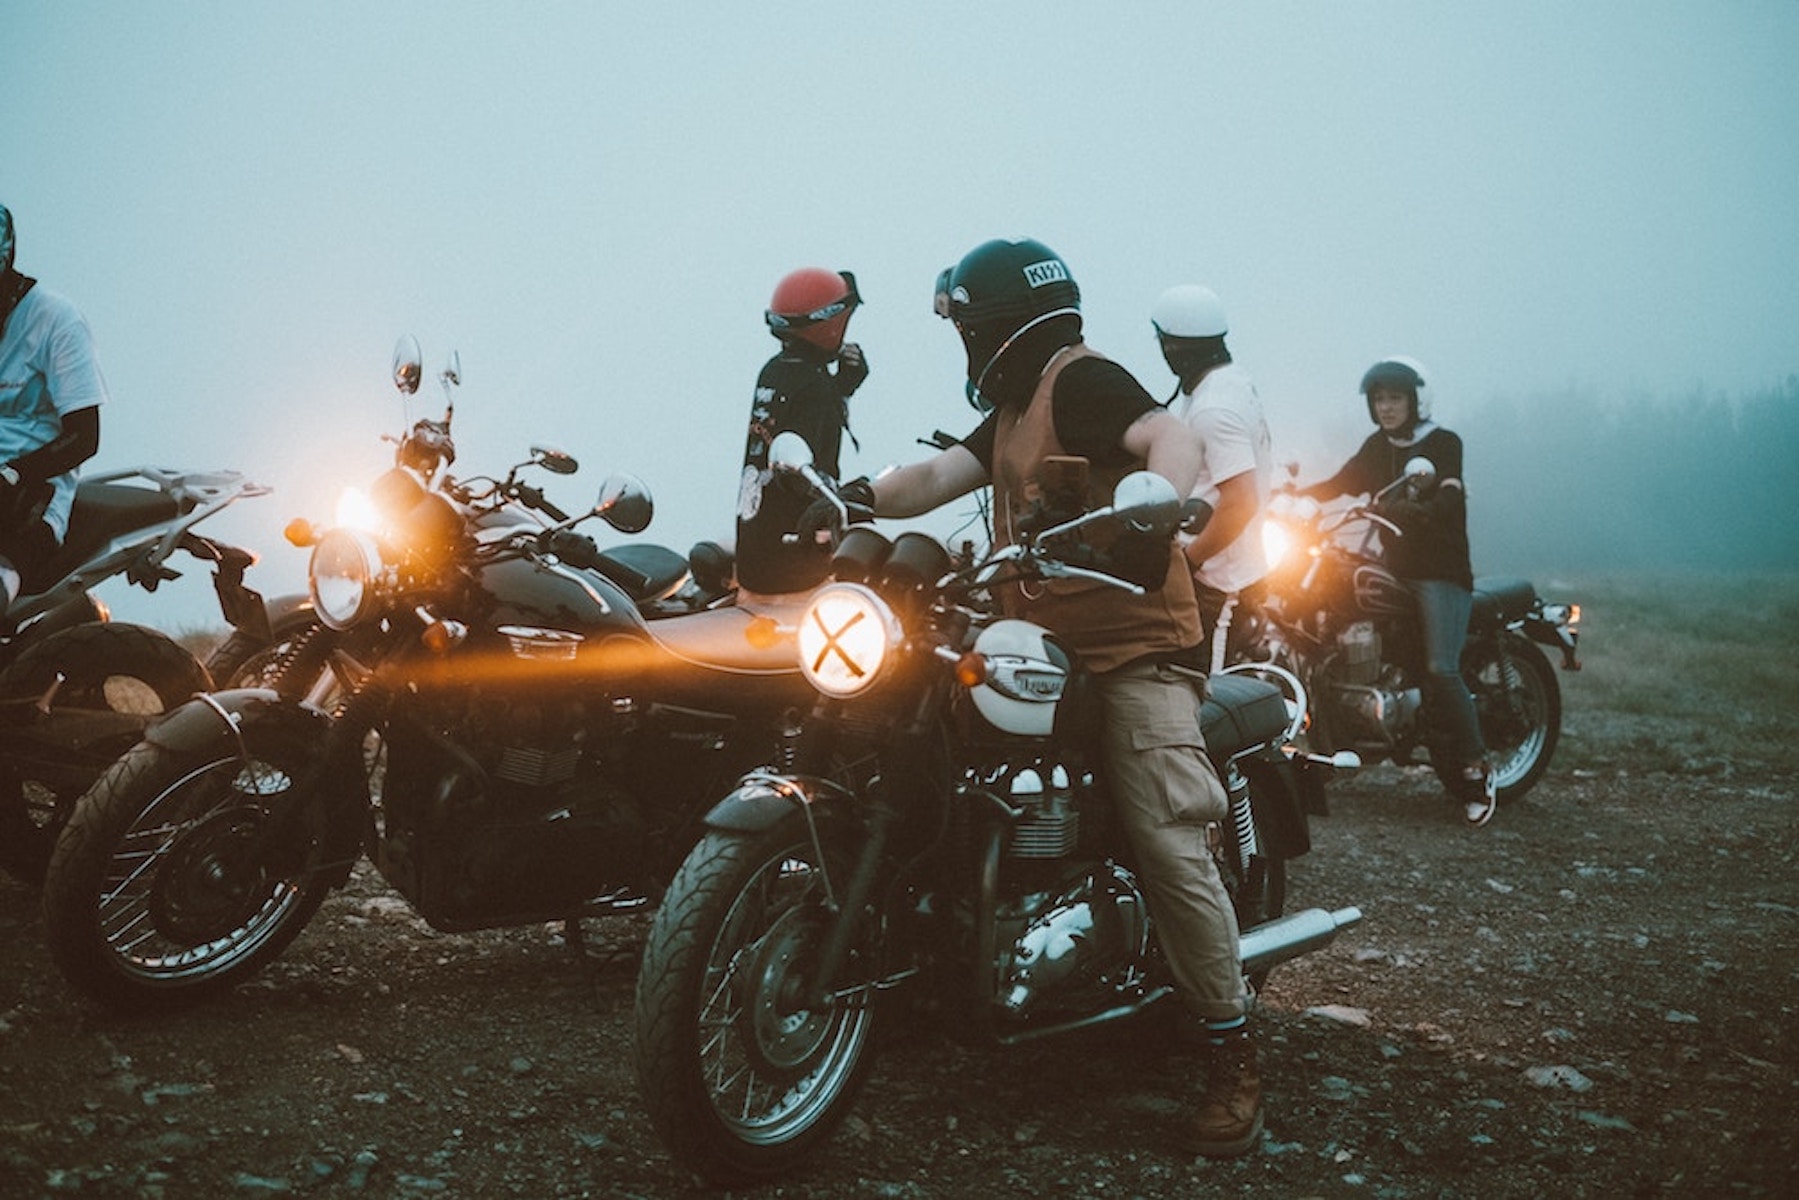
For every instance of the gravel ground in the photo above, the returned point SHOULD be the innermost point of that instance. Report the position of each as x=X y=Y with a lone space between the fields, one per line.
x=1594 y=996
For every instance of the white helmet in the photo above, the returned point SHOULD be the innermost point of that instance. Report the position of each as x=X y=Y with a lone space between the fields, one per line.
x=1189 y=311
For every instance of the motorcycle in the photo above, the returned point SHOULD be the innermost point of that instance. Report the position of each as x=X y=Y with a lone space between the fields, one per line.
x=1338 y=632
x=508 y=740
x=939 y=832
x=77 y=689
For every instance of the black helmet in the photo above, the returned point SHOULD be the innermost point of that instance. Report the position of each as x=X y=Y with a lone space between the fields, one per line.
x=6 y=239
x=1404 y=373
x=999 y=290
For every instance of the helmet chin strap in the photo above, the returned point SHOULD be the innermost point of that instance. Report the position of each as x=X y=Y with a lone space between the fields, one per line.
x=975 y=396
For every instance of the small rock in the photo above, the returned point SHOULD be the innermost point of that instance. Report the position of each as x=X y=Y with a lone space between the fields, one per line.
x=1343 y=1014
x=1605 y=1121
x=1561 y=1076
x=1676 y=1017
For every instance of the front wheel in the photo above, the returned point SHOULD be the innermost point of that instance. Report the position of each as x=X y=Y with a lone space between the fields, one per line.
x=743 y=1069
x=1519 y=703
x=167 y=885
x=103 y=682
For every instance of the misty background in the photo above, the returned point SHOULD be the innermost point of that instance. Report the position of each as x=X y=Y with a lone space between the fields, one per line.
x=1579 y=217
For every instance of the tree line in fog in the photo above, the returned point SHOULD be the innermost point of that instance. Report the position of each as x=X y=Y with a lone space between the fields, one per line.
x=1572 y=482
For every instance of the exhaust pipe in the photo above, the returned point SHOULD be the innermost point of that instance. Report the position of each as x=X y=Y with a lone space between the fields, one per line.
x=1291 y=936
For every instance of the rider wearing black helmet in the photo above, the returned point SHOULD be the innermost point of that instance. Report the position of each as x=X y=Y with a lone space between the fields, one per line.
x=50 y=396
x=1432 y=556
x=1045 y=394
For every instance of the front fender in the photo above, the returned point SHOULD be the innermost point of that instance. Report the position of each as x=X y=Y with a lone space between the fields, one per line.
x=761 y=800
x=228 y=723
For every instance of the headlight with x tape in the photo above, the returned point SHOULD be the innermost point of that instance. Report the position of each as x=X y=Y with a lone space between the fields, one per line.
x=846 y=638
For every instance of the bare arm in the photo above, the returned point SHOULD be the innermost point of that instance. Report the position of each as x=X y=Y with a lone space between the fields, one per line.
x=921 y=486
x=1167 y=447
x=1237 y=503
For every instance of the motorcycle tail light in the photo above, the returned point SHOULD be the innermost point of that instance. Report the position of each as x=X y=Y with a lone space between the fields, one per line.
x=846 y=638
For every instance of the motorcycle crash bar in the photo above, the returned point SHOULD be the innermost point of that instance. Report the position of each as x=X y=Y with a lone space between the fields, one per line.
x=1291 y=936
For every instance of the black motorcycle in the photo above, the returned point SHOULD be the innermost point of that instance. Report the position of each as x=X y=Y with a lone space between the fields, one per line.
x=508 y=740
x=941 y=830
x=76 y=688
x=1338 y=632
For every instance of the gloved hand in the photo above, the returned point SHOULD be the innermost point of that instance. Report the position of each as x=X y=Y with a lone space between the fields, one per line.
x=820 y=522
x=1404 y=511
x=852 y=368
x=23 y=502
x=1194 y=514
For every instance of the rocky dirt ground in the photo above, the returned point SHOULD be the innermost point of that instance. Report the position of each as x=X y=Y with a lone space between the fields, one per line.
x=1595 y=996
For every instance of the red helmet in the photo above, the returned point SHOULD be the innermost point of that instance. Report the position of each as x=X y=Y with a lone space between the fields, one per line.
x=814 y=305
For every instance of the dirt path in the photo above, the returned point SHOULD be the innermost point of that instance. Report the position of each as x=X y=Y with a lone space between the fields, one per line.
x=1593 y=997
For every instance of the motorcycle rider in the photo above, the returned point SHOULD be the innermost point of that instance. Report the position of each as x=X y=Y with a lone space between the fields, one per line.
x=1044 y=393
x=1217 y=399
x=1431 y=557
x=51 y=390
x=796 y=391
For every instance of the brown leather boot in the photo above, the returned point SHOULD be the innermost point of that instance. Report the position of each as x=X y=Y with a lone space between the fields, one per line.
x=1229 y=1122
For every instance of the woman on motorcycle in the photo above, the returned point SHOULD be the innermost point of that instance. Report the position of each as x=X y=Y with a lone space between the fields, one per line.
x=1431 y=557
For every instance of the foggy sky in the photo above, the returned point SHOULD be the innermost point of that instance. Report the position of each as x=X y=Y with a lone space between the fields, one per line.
x=591 y=203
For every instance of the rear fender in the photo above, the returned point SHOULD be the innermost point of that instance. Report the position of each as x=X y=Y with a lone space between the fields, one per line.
x=1274 y=795
x=761 y=800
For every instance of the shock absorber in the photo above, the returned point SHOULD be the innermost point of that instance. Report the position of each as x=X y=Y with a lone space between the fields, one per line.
x=1243 y=820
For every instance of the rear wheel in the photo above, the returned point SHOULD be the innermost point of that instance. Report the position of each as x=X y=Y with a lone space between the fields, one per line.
x=167 y=886
x=743 y=1070
x=1518 y=701
x=113 y=679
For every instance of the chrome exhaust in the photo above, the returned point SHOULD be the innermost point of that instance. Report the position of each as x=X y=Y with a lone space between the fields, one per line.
x=1291 y=936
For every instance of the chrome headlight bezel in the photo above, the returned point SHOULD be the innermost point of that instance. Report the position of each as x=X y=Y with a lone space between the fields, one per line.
x=847 y=638
x=343 y=578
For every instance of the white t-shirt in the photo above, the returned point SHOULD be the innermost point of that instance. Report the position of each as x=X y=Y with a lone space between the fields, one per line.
x=47 y=368
x=1226 y=413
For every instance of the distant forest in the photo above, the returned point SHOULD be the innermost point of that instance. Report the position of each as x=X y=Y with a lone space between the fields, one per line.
x=1572 y=482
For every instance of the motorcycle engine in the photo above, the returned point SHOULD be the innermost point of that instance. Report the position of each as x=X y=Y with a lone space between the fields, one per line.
x=1077 y=949
x=1368 y=702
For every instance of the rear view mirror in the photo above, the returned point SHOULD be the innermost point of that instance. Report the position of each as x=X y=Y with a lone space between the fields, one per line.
x=624 y=503
x=409 y=365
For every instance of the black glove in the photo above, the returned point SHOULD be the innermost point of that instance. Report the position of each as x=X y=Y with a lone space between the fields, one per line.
x=821 y=516
x=1195 y=513
x=23 y=502
x=852 y=369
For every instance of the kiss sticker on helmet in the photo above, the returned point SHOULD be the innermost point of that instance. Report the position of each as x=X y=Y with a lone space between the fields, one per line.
x=1050 y=270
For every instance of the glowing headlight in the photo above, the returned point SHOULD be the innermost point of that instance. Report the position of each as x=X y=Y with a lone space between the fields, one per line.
x=345 y=565
x=1277 y=543
x=846 y=637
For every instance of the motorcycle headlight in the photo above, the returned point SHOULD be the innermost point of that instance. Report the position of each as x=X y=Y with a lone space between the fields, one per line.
x=345 y=566
x=1277 y=543
x=846 y=638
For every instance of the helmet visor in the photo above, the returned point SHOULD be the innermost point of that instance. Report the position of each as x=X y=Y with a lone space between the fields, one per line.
x=836 y=308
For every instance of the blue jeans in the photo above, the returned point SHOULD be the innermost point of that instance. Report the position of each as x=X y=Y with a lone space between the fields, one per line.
x=1443 y=611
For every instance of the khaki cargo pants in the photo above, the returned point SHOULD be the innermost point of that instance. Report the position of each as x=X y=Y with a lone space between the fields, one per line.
x=1166 y=792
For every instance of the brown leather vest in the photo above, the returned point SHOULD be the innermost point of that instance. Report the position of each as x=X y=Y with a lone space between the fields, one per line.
x=1106 y=626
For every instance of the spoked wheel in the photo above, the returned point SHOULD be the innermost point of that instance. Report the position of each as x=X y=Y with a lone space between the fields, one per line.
x=167 y=886
x=242 y=660
x=71 y=704
x=743 y=1067
x=1519 y=703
